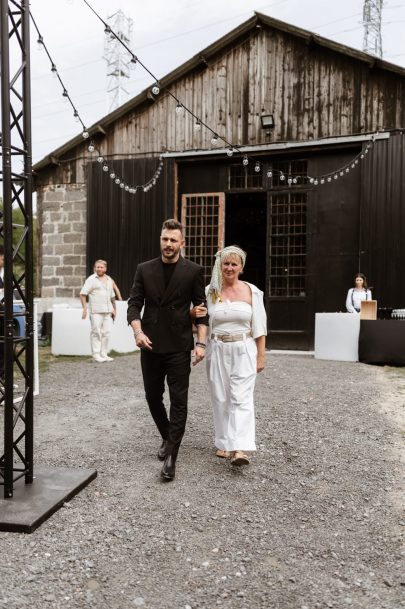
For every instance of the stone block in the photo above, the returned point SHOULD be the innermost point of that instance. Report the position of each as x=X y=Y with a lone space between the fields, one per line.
x=49 y=271
x=50 y=281
x=64 y=271
x=51 y=260
x=54 y=239
x=73 y=260
x=67 y=292
x=74 y=216
x=47 y=292
x=49 y=228
x=72 y=282
x=75 y=195
x=79 y=248
x=74 y=238
x=53 y=197
x=64 y=227
x=64 y=248
x=55 y=216
x=48 y=250
x=79 y=226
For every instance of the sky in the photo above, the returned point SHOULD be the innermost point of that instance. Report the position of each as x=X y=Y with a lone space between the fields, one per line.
x=165 y=34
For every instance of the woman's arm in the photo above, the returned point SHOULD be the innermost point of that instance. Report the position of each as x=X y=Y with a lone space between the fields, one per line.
x=261 y=352
x=349 y=306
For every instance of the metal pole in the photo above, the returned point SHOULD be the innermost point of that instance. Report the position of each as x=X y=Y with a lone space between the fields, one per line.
x=29 y=256
x=8 y=254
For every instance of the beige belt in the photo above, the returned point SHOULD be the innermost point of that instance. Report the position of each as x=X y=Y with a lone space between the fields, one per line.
x=231 y=338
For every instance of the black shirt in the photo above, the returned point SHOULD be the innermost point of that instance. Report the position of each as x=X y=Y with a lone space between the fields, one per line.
x=168 y=270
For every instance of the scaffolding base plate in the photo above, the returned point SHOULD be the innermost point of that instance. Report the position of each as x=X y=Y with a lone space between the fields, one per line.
x=32 y=504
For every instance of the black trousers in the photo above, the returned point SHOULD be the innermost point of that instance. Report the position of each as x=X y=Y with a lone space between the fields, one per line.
x=175 y=368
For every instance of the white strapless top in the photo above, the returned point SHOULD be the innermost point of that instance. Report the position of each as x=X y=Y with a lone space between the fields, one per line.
x=231 y=317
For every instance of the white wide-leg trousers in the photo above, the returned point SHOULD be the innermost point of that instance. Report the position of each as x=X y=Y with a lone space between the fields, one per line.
x=231 y=371
x=100 y=332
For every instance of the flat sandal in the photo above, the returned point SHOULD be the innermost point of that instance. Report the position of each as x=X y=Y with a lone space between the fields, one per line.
x=223 y=454
x=240 y=458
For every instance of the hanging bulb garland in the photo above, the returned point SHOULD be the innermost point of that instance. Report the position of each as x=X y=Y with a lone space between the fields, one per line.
x=117 y=180
x=181 y=109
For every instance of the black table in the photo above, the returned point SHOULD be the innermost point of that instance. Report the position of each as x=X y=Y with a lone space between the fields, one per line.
x=382 y=341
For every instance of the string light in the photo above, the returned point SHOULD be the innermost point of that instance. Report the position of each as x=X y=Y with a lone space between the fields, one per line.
x=257 y=167
x=269 y=174
x=214 y=139
x=91 y=147
x=156 y=89
x=197 y=125
x=54 y=70
x=229 y=152
x=245 y=161
x=100 y=159
x=40 y=43
x=179 y=108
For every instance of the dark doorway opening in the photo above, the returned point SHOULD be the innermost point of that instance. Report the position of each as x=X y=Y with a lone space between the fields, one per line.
x=245 y=225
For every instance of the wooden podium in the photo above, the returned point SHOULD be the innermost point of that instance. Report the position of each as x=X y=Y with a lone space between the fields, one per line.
x=368 y=309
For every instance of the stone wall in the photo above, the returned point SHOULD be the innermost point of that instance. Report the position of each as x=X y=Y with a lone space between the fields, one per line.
x=62 y=211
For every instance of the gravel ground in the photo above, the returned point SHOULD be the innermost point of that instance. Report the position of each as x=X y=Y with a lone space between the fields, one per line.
x=314 y=522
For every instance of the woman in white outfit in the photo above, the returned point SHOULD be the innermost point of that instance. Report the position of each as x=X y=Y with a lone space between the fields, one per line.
x=235 y=354
x=356 y=295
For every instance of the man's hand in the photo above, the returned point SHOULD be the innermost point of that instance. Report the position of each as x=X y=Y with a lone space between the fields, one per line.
x=114 y=314
x=199 y=354
x=84 y=313
x=143 y=342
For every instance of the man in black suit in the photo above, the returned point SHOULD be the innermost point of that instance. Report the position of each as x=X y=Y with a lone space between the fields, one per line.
x=166 y=287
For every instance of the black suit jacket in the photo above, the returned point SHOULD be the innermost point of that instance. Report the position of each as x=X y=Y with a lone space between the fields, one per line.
x=166 y=316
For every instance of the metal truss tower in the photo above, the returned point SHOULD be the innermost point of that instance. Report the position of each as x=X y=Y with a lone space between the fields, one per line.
x=372 y=42
x=16 y=408
x=119 y=61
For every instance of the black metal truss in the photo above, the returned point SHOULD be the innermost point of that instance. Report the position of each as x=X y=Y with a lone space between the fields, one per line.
x=16 y=402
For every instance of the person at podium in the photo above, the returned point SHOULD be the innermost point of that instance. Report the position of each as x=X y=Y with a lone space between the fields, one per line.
x=357 y=294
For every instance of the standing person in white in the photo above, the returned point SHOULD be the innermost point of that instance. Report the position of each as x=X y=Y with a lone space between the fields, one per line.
x=99 y=288
x=235 y=354
x=356 y=295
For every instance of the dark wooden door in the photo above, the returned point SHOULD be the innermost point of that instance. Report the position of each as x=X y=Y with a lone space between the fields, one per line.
x=287 y=293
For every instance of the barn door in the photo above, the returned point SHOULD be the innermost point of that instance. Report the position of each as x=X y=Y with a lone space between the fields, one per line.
x=287 y=238
x=202 y=216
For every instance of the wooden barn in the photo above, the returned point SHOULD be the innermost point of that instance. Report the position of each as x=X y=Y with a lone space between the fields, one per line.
x=323 y=116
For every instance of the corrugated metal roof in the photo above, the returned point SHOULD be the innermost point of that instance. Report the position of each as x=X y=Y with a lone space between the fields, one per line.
x=258 y=20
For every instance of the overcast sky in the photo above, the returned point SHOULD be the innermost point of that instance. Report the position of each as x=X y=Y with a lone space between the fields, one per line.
x=165 y=34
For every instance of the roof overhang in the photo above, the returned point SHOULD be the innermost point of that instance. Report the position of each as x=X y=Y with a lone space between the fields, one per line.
x=282 y=146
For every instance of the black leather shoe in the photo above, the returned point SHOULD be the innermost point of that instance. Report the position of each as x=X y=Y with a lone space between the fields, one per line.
x=162 y=452
x=169 y=468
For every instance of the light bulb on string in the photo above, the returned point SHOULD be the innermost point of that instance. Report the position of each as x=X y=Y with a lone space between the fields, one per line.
x=245 y=161
x=352 y=165
x=54 y=70
x=107 y=30
x=322 y=180
x=76 y=116
x=347 y=170
x=91 y=147
x=362 y=156
x=335 y=177
x=85 y=134
x=311 y=180
x=342 y=173
x=127 y=188
x=179 y=108
x=105 y=168
x=156 y=89
x=117 y=180
x=100 y=159
x=329 y=178
x=112 y=175
x=122 y=185
x=65 y=95
x=40 y=43
x=229 y=152
x=214 y=139
x=269 y=174
x=289 y=181
x=197 y=126
x=295 y=180
x=282 y=177
x=257 y=167
x=316 y=182
x=356 y=161
x=134 y=59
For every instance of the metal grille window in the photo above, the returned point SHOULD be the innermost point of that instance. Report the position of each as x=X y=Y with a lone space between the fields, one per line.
x=290 y=169
x=241 y=176
x=288 y=244
x=202 y=216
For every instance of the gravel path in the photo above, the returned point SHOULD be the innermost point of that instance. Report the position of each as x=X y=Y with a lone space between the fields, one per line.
x=314 y=522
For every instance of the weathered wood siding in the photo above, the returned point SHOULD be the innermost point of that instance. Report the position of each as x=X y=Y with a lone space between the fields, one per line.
x=311 y=90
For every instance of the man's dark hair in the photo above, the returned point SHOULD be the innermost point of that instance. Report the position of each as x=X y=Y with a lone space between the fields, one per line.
x=172 y=224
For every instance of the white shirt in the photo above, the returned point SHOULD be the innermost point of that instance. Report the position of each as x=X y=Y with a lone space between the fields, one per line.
x=354 y=299
x=100 y=294
x=259 y=319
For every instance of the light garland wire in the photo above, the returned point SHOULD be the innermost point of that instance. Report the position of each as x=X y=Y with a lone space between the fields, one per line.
x=115 y=178
x=231 y=148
